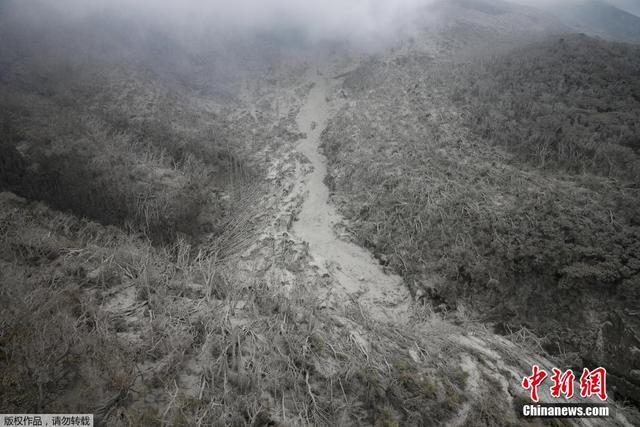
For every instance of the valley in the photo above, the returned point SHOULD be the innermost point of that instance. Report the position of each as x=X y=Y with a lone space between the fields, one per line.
x=356 y=272
x=211 y=227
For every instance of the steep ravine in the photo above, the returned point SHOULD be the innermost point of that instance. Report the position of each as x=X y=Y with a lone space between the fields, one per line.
x=355 y=276
x=354 y=269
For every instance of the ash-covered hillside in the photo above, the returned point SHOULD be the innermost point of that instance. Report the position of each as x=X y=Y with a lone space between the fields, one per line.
x=125 y=125
x=506 y=183
x=275 y=213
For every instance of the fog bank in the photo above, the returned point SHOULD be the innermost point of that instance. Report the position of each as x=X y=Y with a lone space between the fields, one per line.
x=326 y=20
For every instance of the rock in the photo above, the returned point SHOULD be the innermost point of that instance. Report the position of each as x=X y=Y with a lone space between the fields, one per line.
x=362 y=343
x=339 y=322
x=96 y=273
x=382 y=258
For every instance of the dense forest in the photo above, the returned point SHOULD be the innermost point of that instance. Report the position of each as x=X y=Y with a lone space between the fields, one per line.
x=513 y=177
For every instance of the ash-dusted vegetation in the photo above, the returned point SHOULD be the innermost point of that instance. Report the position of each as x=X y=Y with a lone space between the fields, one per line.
x=513 y=178
x=119 y=148
x=111 y=124
x=571 y=104
x=167 y=245
x=141 y=276
x=96 y=320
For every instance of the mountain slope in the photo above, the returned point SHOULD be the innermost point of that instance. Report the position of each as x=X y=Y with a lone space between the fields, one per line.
x=631 y=6
x=598 y=18
x=170 y=258
x=508 y=185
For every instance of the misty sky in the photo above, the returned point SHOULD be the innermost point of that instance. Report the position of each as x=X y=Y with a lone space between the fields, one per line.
x=318 y=19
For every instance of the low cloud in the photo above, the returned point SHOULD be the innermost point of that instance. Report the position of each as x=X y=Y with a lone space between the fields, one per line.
x=327 y=19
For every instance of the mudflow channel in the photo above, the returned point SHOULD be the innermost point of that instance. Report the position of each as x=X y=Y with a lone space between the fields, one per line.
x=354 y=269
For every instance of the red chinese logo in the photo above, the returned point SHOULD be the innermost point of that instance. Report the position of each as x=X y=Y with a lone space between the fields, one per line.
x=592 y=383
x=562 y=383
x=532 y=382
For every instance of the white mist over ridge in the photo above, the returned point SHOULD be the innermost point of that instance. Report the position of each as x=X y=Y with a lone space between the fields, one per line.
x=326 y=20
x=369 y=21
x=630 y=6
